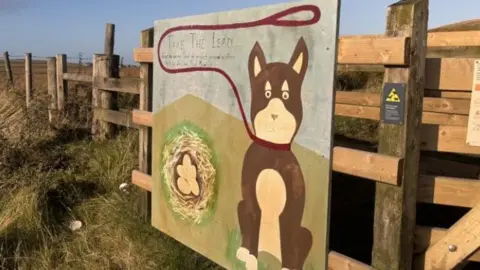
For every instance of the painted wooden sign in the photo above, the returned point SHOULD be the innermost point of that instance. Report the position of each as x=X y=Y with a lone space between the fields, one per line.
x=242 y=133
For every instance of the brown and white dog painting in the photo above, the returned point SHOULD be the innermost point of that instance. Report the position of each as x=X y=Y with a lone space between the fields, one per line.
x=273 y=188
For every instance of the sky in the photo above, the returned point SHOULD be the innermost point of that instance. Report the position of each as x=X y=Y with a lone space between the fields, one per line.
x=49 y=27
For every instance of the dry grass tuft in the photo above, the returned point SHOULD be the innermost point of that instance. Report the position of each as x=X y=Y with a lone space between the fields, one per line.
x=18 y=123
x=51 y=176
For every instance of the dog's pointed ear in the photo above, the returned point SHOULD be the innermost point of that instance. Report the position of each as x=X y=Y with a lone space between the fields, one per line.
x=256 y=61
x=299 y=60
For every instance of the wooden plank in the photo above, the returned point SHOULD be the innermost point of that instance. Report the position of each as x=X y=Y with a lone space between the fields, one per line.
x=145 y=133
x=432 y=118
x=381 y=168
x=143 y=55
x=356 y=111
x=52 y=88
x=430 y=104
x=142 y=180
x=427 y=236
x=142 y=118
x=446 y=139
x=115 y=117
x=446 y=105
x=463 y=235
x=448 y=190
x=453 y=52
x=77 y=77
x=357 y=98
x=449 y=73
x=395 y=206
x=449 y=94
x=373 y=113
x=125 y=85
x=359 y=68
x=337 y=261
x=373 y=50
x=458 y=38
x=351 y=50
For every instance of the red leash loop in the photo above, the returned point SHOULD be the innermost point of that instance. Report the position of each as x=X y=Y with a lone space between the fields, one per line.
x=274 y=20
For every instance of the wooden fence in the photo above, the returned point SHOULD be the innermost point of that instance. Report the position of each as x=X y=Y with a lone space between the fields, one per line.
x=435 y=120
x=436 y=114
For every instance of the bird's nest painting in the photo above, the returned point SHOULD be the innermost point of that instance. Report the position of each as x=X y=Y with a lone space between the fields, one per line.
x=189 y=172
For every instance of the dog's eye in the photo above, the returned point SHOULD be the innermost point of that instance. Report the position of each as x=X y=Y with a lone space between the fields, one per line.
x=285 y=95
x=268 y=94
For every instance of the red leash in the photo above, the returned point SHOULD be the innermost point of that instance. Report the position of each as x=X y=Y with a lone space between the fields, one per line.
x=274 y=20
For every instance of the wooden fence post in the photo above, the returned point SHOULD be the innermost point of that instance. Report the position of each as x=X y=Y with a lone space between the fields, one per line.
x=8 y=69
x=104 y=66
x=145 y=133
x=395 y=206
x=109 y=39
x=28 y=79
x=62 y=85
x=52 y=88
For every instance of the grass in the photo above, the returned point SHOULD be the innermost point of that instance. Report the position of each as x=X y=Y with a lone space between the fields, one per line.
x=53 y=176
x=86 y=189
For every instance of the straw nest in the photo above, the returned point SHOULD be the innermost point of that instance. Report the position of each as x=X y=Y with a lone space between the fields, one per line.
x=188 y=174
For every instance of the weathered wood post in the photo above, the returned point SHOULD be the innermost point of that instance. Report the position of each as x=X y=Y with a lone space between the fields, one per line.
x=395 y=206
x=52 y=88
x=109 y=39
x=62 y=85
x=28 y=79
x=104 y=66
x=8 y=69
x=145 y=133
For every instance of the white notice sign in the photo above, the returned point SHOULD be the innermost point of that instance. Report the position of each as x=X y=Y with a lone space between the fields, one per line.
x=473 y=133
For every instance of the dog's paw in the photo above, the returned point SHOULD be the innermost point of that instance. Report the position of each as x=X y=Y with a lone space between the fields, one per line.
x=242 y=254
x=251 y=263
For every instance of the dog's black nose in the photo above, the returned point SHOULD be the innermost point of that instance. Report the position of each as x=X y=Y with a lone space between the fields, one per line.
x=274 y=116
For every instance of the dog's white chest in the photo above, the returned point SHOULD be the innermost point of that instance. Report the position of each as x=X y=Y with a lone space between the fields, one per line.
x=271 y=196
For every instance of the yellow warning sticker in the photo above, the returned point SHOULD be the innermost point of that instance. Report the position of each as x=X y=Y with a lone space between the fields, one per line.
x=393 y=96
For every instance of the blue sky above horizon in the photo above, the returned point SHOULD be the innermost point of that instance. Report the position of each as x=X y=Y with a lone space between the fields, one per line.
x=48 y=27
